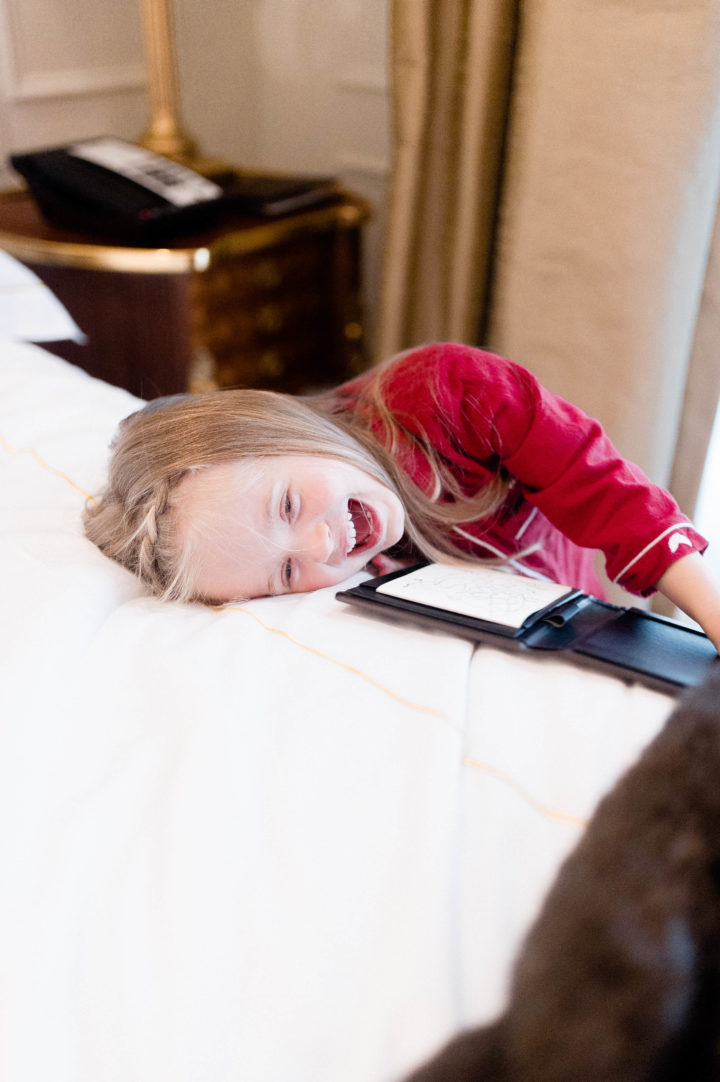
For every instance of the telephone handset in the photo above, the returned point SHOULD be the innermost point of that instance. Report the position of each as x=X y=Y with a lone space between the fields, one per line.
x=111 y=186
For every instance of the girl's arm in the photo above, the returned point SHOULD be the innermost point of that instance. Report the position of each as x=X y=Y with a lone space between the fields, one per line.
x=689 y=585
x=479 y=411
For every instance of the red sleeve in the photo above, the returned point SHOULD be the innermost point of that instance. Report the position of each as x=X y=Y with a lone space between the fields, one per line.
x=475 y=405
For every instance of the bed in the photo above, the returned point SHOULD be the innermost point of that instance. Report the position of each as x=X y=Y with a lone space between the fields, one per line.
x=281 y=841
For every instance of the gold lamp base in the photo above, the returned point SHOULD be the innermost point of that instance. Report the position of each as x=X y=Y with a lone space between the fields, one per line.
x=170 y=141
x=165 y=134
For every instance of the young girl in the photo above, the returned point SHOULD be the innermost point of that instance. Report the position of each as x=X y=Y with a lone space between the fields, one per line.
x=446 y=452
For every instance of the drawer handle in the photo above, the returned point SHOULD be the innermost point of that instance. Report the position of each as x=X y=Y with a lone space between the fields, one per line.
x=270 y=319
x=268 y=274
x=271 y=364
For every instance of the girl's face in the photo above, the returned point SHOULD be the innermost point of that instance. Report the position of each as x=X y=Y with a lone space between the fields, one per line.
x=284 y=524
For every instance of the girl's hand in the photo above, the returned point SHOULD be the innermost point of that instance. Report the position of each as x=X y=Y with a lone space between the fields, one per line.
x=689 y=584
x=383 y=565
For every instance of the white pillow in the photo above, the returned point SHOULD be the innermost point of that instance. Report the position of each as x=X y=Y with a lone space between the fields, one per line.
x=29 y=312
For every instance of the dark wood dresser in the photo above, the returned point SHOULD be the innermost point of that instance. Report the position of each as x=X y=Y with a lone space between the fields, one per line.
x=273 y=304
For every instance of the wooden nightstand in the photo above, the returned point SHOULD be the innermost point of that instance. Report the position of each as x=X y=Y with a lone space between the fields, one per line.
x=259 y=303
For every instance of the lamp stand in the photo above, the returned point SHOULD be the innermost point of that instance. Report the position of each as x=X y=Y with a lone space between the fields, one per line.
x=165 y=134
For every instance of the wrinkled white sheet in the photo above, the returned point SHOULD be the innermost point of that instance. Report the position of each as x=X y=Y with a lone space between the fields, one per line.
x=29 y=312
x=285 y=841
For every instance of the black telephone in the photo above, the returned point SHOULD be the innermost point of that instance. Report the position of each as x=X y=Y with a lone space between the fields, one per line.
x=107 y=185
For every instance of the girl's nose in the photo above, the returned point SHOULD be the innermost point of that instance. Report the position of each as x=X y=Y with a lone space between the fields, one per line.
x=319 y=543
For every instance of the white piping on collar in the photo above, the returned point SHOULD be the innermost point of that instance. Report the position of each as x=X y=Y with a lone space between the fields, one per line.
x=511 y=561
x=526 y=523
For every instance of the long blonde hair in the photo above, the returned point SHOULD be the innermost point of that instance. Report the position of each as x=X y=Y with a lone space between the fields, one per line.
x=133 y=520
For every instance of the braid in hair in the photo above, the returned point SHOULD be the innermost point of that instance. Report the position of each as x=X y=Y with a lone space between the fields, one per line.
x=146 y=537
x=137 y=534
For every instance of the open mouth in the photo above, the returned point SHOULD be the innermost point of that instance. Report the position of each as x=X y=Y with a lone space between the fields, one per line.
x=361 y=527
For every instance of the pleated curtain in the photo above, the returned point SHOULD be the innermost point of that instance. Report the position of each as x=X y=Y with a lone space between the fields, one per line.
x=553 y=197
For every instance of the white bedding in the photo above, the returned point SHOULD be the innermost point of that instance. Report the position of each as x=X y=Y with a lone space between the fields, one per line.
x=282 y=842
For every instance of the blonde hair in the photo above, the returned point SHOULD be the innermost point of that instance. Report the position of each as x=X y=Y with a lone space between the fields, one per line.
x=134 y=519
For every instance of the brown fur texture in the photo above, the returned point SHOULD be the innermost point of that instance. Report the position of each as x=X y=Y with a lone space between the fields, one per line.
x=619 y=978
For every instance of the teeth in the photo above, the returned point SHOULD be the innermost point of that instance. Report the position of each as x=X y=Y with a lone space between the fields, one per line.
x=352 y=534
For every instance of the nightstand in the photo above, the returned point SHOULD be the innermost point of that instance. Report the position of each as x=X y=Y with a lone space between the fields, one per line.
x=261 y=303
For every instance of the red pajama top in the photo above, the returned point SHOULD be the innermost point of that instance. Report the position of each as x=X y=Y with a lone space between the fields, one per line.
x=571 y=491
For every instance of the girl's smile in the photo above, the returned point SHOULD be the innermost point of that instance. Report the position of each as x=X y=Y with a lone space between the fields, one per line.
x=284 y=524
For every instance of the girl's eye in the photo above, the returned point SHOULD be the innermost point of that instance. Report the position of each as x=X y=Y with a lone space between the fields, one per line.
x=287 y=573
x=287 y=505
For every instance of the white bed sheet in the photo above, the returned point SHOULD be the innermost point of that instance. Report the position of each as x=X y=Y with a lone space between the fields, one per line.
x=284 y=841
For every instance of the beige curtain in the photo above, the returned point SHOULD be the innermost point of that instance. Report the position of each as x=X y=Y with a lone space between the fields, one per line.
x=554 y=191
x=451 y=68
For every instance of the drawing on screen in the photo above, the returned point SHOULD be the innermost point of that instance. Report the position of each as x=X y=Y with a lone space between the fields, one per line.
x=485 y=593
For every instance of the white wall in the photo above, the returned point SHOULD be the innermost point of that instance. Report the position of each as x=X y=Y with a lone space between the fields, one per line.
x=277 y=84
x=68 y=69
x=297 y=85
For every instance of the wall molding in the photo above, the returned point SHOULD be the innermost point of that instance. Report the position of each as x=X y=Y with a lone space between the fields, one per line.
x=363 y=165
x=366 y=78
x=25 y=83
x=78 y=82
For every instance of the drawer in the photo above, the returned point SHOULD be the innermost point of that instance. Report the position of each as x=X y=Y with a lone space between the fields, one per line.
x=291 y=364
x=261 y=323
x=251 y=278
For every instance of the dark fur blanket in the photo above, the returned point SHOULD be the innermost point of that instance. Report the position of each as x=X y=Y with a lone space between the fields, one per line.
x=618 y=979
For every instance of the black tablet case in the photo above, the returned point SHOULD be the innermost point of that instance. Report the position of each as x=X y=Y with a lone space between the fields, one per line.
x=629 y=643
